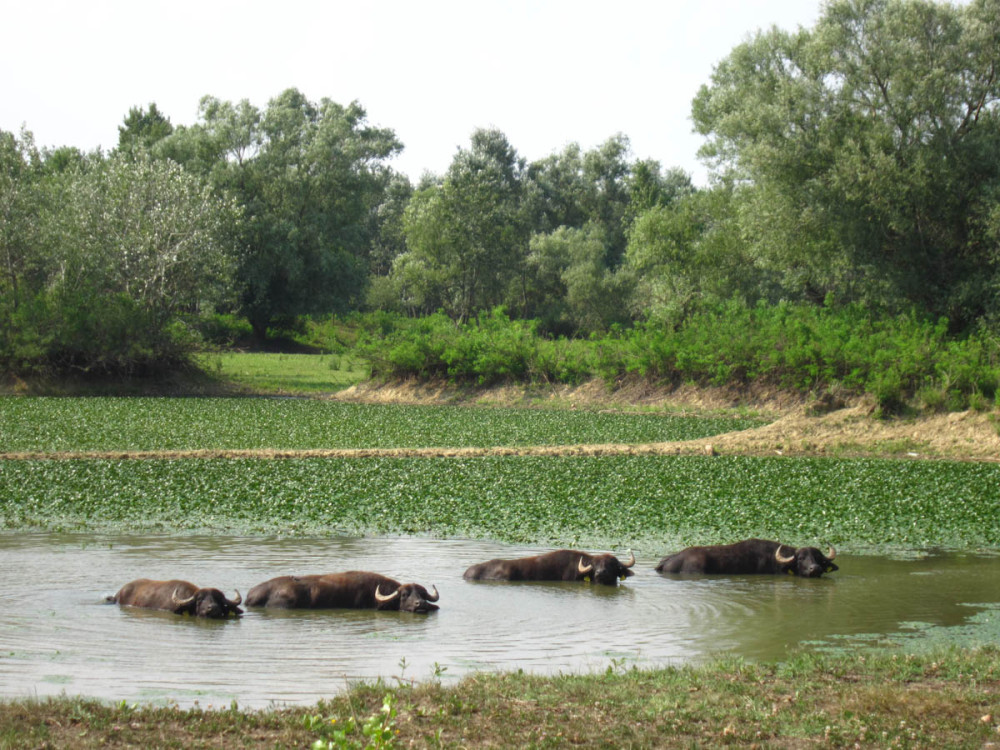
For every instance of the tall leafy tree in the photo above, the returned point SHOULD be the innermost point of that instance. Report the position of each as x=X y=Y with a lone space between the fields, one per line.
x=388 y=231
x=865 y=153
x=683 y=254
x=574 y=188
x=578 y=200
x=19 y=168
x=572 y=290
x=649 y=187
x=121 y=250
x=468 y=235
x=142 y=128
x=606 y=173
x=309 y=177
x=556 y=190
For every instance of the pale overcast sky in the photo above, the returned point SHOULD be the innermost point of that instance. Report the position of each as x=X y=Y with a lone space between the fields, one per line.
x=545 y=72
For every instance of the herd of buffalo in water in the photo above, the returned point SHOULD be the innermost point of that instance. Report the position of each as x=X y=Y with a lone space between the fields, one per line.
x=364 y=590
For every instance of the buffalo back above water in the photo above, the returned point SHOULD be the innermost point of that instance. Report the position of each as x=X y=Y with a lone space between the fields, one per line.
x=748 y=557
x=177 y=596
x=559 y=565
x=353 y=589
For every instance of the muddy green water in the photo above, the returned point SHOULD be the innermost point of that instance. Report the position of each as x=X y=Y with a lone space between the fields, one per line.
x=56 y=635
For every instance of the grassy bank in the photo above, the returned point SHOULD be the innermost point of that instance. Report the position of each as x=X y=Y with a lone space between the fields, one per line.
x=948 y=699
x=903 y=363
x=281 y=373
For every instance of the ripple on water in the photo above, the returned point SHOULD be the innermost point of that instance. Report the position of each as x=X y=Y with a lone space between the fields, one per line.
x=57 y=636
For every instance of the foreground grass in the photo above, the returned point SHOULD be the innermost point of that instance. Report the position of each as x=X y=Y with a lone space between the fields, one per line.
x=949 y=699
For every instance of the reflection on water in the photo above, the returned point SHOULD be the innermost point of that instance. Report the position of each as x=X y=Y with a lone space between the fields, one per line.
x=57 y=636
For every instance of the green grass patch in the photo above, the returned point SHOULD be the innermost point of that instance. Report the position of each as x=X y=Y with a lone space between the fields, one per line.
x=285 y=373
x=651 y=503
x=945 y=699
x=137 y=424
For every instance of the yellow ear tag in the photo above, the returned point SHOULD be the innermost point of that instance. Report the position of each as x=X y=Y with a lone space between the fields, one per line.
x=623 y=576
x=586 y=579
x=789 y=571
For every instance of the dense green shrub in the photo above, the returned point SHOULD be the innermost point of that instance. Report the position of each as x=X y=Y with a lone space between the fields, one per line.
x=222 y=330
x=490 y=349
x=801 y=347
x=66 y=333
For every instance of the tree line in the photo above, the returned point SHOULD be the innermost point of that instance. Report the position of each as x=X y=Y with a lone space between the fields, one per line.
x=854 y=165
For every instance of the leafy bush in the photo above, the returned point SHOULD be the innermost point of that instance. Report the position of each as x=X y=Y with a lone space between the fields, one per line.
x=801 y=347
x=222 y=330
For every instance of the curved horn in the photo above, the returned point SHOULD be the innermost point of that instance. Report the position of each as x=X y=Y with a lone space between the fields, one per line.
x=780 y=559
x=238 y=600
x=380 y=597
x=181 y=602
x=436 y=594
x=631 y=560
x=831 y=553
x=580 y=568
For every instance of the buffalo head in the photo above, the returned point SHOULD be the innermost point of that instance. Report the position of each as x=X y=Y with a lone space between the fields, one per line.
x=206 y=603
x=807 y=562
x=409 y=597
x=606 y=569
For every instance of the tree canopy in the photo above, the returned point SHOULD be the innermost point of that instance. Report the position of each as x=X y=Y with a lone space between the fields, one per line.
x=864 y=153
x=103 y=258
x=309 y=178
x=855 y=163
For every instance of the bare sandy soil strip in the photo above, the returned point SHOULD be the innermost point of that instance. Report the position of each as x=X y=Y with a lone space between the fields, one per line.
x=853 y=431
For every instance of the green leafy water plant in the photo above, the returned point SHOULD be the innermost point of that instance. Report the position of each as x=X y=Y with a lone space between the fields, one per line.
x=149 y=424
x=648 y=502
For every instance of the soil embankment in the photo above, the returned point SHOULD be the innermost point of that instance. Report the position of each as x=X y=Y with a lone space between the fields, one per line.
x=799 y=426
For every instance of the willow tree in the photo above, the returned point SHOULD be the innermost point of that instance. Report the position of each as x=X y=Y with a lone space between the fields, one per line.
x=106 y=259
x=467 y=236
x=864 y=153
x=309 y=177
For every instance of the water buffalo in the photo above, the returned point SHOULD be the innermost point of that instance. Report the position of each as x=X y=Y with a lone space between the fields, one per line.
x=560 y=565
x=750 y=556
x=354 y=589
x=177 y=597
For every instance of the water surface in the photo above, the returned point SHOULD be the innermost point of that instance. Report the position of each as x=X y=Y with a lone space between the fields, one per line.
x=57 y=636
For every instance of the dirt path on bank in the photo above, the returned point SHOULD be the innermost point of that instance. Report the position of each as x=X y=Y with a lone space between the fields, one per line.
x=799 y=427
